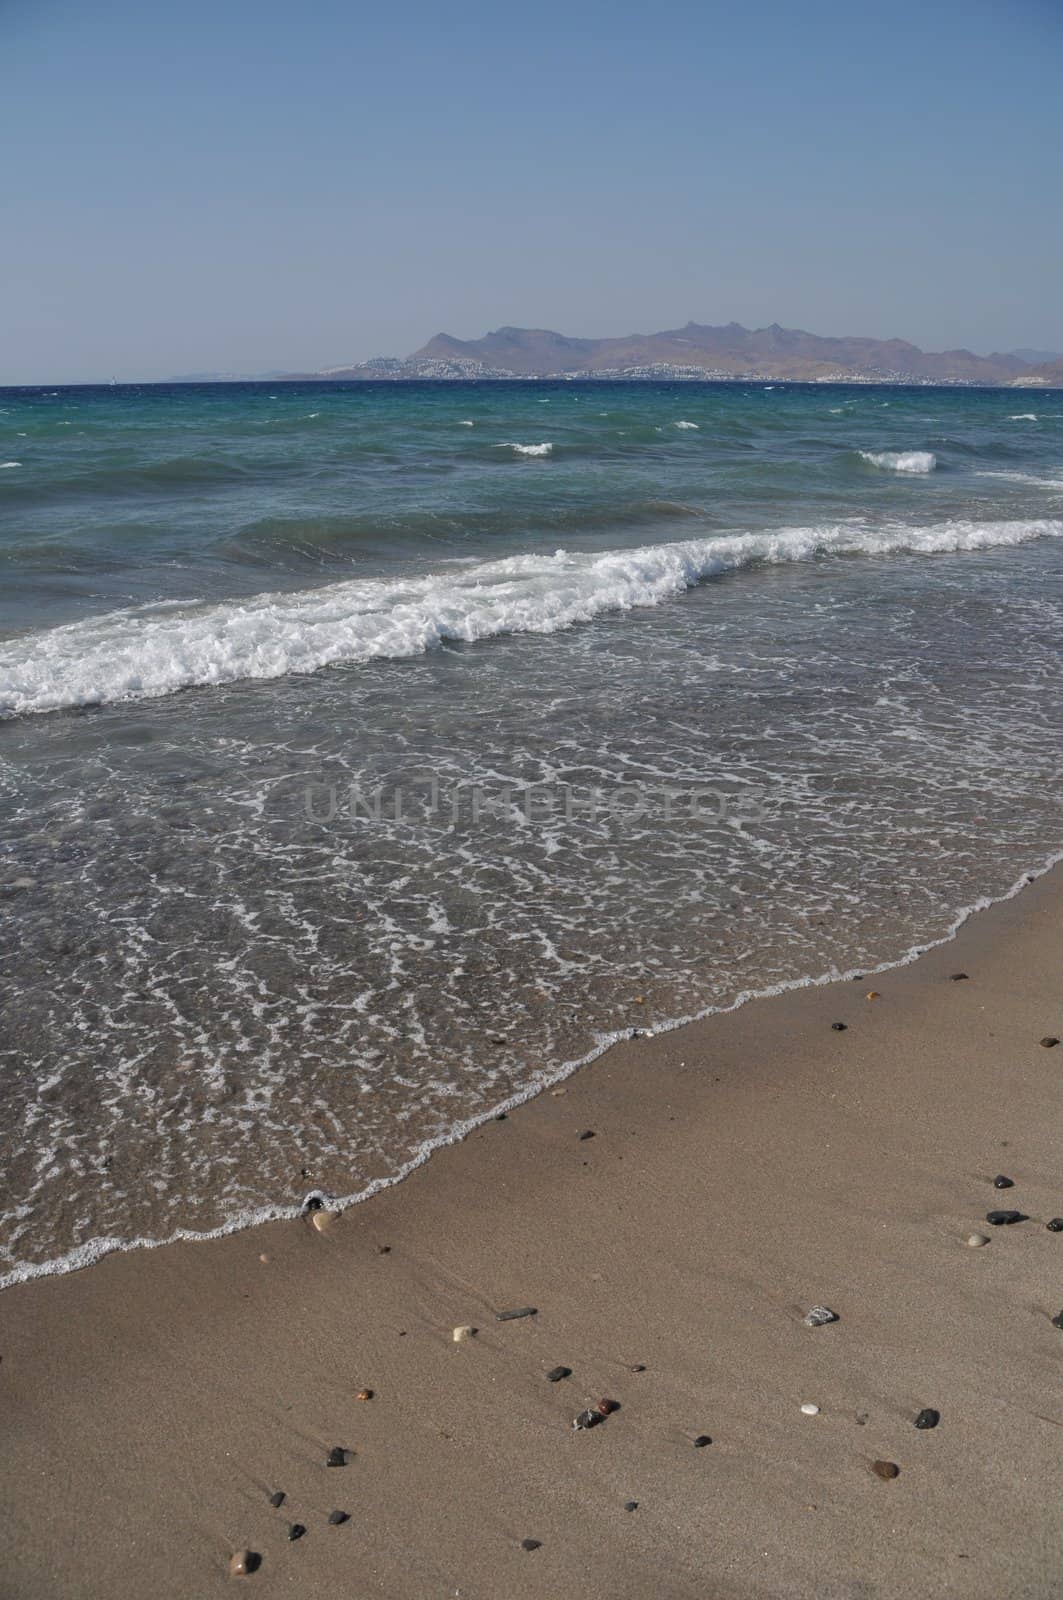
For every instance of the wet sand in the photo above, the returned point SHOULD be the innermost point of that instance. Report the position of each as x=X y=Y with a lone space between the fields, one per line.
x=742 y=1171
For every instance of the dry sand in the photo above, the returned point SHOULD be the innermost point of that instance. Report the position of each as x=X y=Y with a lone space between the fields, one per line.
x=743 y=1170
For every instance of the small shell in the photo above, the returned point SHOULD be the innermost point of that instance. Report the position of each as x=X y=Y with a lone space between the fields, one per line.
x=322 y=1221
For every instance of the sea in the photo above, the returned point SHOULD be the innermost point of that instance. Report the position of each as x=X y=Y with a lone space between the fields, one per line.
x=372 y=754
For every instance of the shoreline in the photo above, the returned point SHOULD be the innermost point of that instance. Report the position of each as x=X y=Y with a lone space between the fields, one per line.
x=94 y=1251
x=741 y=1170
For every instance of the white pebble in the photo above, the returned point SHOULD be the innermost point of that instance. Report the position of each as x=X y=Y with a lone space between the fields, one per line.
x=460 y=1335
x=809 y=1409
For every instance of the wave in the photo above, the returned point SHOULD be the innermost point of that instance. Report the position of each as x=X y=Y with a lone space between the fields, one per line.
x=902 y=460
x=95 y=1250
x=1023 y=416
x=5 y=464
x=149 y=651
x=527 y=449
x=694 y=425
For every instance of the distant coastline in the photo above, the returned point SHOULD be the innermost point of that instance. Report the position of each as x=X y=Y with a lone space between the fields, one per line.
x=697 y=353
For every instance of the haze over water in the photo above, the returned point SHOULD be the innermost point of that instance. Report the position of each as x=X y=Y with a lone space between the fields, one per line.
x=651 y=695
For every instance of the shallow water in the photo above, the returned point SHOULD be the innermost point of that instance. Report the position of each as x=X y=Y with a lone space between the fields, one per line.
x=359 y=770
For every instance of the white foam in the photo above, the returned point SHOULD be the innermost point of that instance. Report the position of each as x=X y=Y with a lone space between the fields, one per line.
x=902 y=460
x=527 y=449
x=687 y=425
x=155 y=650
x=94 y=1250
x=465 y=423
x=5 y=464
x=1023 y=416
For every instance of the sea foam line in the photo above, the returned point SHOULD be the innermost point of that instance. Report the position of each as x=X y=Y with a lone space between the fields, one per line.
x=93 y=1250
x=149 y=651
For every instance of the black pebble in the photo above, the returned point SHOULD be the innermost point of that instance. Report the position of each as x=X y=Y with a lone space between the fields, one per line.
x=336 y=1518
x=296 y=1531
x=1057 y=1322
x=638 y=1367
x=1000 y=1182
x=1049 y=1042
x=1055 y=1226
x=958 y=977
x=839 y=1027
x=701 y=1441
x=531 y=1544
x=1002 y=1219
x=558 y=1373
x=313 y=1202
x=928 y=1418
x=277 y=1500
x=511 y=1316
x=337 y=1457
x=631 y=1505
x=500 y=1116
x=586 y=1419
x=588 y=1133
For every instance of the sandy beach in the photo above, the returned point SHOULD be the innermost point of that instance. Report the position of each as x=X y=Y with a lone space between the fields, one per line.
x=741 y=1171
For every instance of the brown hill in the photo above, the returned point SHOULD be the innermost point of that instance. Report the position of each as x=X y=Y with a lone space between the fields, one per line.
x=774 y=351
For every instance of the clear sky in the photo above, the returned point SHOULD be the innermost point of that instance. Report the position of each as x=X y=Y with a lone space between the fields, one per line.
x=247 y=184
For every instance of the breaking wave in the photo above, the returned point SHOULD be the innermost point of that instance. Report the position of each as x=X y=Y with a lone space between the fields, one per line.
x=150 y=651
x=902 y=460
x=528 y=449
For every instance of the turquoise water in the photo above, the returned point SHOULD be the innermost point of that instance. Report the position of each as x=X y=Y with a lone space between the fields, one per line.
x=646 y=692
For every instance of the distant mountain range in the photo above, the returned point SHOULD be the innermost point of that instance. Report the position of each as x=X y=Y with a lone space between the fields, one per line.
x=701 y=351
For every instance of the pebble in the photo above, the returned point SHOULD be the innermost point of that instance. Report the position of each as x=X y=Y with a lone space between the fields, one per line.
x=242 y=1562
x=976 y=1239
x=1055 y=1225
x=337 y=1518
x=1048 y=1041
x=277 y=1500
x=928 y=1418
x=337 y=1457
x=521 y=1311
x=296 y=1531
x=631 y=1505
x=1057 y=1322
x=862 y=1419
x=557 y=1093
x=809 y=1409
x=586 y=1419
x=959 y=977
x=839 y=1027
x=819 y=1316
x=557 y=1373
x=531 y=1544
x=885 y=1469
x=701 y=1441
x=322 y=1220
x=1004 y=1219
x=588 y=1133
x=638 y=1367
x=460 y=1335
x=264 y=1260
x=606 y=1408
x=365 y=1394
x=1000 y=1182
x=383 y=1249
x=873 y=994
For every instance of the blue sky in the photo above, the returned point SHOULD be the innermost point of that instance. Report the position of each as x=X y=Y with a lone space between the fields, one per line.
x=247 y=184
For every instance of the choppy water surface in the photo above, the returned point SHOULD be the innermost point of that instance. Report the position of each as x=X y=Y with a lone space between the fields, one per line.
x=369 y=753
